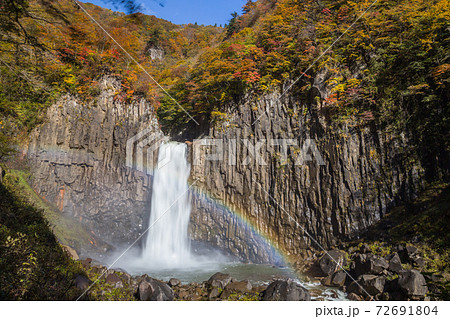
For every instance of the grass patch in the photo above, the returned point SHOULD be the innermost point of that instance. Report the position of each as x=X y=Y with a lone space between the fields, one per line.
x=426 y=219
x=32 y=264
x=107 y=292
x=422 y=223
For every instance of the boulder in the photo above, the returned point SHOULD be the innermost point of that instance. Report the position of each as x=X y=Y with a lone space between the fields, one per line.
x=393 y=289
x=240 y=286
x=285 y=290
x=173 y=282
x=86 y=263
x=395 y=263
x=412 y=283
x=145 y=290
x=377 y=265
x=213 y=294
x=219 y=280
x=332 y=261
x=374 y=285
x=335 y=280
x=339 y=279
x=82 y=282
x=71 y=252
x=114 y=279
x=126 y=277
x=359 y=264
x=370 y=264
x=408 y=253
x=371 y=284
x=397 y=296
x=154 y=290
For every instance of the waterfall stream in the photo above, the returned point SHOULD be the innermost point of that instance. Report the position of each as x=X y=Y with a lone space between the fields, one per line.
x=167 y=244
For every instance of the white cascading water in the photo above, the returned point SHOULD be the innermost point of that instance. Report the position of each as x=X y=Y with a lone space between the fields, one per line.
x=167 y=244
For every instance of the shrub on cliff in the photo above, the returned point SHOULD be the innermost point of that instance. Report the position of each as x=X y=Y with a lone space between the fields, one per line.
x=5 y=146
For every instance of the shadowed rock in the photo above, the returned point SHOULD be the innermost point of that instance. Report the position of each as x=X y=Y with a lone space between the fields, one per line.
x=213 y=294
x=154 y=290
x=332 y=262
x=408 y=253
x=370 y=264
x=412 y=283
x=82 y=283
x=395 y=264
x=371 y=284
x=336 y=280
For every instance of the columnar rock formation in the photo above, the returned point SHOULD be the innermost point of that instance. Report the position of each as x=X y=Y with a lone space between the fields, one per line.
x=78 y=162
x=286 y=198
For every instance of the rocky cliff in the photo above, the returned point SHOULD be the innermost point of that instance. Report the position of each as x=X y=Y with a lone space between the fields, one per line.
x=78 y=158
x=300 y=196
x=325 y=182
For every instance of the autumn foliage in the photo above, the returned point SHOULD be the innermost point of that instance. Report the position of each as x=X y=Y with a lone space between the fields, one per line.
x=384 y=62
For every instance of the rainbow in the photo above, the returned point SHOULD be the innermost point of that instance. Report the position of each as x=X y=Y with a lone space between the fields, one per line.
x=246 y=222
x=60 y=155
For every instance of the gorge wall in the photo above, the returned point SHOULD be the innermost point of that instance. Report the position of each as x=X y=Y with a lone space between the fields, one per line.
x=362 y=175
x=77 y=160
x=78 y=157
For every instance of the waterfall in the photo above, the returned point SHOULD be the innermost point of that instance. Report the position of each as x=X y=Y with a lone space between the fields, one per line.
x=167 y=244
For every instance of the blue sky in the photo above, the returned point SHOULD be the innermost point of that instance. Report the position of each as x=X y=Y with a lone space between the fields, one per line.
x=208 y=12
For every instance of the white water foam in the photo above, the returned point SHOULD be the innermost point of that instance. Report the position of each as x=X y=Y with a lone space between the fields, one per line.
x=167 y=244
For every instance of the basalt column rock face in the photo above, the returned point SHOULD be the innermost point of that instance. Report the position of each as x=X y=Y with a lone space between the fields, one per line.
x=78 y=162
x=330 y=181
